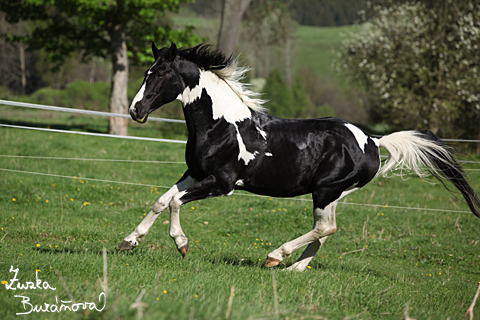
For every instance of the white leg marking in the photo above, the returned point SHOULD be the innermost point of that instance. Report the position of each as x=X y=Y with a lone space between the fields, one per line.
x=162 y=203
x=176 y=231
x=324 y=225
x=359 y=135
x=302 y=263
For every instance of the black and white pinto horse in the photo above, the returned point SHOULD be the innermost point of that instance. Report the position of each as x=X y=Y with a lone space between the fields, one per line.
x=233 y=143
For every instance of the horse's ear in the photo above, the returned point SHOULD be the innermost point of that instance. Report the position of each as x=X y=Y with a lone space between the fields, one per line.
x=173 y=52
x=155 y=51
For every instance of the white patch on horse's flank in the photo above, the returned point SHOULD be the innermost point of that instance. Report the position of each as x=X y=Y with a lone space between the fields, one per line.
x=375 y=140
x=138 y=96
x=240 y=183
x=268 y=154
x=359 y=135
x=262 y=133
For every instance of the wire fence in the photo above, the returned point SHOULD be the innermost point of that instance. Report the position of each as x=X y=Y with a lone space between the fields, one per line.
x=98 y=113
x=384 y=206
x=80 y=111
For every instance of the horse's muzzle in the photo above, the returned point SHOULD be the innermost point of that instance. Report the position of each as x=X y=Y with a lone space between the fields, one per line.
x=135 y=115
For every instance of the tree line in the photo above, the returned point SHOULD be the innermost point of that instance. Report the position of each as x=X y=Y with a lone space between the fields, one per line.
x=415 y=62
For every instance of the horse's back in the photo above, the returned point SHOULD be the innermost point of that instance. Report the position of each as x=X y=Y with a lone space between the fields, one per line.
x=301 y=156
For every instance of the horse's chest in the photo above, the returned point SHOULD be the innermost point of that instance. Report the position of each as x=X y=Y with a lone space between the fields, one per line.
x=212 y=149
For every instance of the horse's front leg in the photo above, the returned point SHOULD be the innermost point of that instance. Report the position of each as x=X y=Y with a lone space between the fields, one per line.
x=209 y=187
x=131 y=241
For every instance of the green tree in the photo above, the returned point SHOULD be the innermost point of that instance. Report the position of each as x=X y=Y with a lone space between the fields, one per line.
x=278 y=95
x=115 y=29
x=419 y=65
x=301 y=100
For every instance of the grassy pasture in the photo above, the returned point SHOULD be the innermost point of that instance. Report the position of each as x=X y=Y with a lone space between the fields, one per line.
x=427 y=260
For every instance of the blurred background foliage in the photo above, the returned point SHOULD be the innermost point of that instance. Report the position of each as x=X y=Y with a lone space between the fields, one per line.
x=382 y=64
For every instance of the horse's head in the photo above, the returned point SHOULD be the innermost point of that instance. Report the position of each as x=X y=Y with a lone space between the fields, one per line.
x=162 y=84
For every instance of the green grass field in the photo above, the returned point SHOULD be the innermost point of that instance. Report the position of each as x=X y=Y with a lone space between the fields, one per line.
x=380 y=260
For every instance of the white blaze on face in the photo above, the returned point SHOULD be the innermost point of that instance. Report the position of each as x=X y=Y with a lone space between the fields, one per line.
x=141 y=92
x=138 y=96
x=359 y=135
x=225 y=103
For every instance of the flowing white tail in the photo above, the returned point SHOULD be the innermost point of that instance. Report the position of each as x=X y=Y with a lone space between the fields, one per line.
x=422 y=153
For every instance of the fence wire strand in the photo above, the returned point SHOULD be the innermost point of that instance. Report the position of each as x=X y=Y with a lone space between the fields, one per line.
x=235 y=193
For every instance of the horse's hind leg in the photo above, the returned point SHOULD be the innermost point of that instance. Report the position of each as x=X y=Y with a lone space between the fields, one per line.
x=131 y=241
x=307 y=255
x=324 y=225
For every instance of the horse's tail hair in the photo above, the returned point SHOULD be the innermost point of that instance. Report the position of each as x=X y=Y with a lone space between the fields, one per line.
x=422 y=153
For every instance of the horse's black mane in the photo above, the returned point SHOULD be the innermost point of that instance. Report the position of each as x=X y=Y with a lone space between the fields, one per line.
x=205 y=57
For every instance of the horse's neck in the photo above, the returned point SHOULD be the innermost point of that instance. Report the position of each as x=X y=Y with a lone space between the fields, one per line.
x=224 y=101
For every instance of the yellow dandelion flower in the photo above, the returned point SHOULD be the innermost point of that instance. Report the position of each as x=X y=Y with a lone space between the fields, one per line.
x=38 y=270
x=174 y=279
x=14 y=199
x=38 y=245
x=164 y=291
x=71 y=199
x=309 y=267
x=4 y=282
x=196 y=296
x=158 y=298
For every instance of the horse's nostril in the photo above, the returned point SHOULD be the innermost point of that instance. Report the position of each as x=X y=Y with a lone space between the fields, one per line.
x=133 y=112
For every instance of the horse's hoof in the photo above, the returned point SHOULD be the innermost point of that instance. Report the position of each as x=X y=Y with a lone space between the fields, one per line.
x=126 y=245
x=183 y=250
x=271 y=262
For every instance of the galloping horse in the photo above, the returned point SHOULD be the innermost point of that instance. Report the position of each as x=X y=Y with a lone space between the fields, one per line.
x=233 y=143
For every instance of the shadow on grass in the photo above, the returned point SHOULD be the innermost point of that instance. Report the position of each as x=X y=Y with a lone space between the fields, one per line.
x=233 y=261
x=110 y=251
